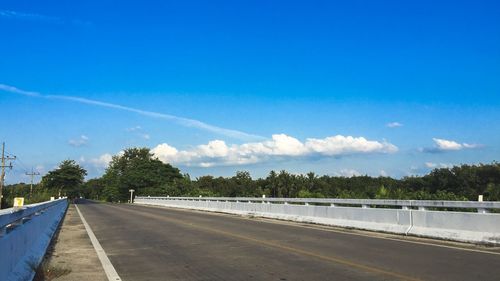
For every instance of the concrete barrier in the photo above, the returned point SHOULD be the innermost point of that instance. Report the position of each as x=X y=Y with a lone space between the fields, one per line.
x=409 y=217
x=25 y=235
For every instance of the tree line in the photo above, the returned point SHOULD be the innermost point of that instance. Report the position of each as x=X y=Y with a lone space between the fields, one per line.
x=138 y=169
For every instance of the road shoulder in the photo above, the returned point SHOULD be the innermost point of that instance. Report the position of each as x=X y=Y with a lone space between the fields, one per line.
x=71 y=255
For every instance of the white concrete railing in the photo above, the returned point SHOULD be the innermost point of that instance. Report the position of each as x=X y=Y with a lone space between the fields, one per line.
x=25 y=234
x=473 y=223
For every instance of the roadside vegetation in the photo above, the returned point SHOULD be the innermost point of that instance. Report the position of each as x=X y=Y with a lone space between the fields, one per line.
x=138 y=169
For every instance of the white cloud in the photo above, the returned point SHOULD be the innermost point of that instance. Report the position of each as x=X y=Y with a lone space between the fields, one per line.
x=218 y=153
x=186 y=122
x=441 y=145
x=474 y=145
x=339 y=145
x=348 y=173
x=139 y=131
x=432 y=165
x=394 y=125
x=81 y=141
x=28 y=16
x=40 y=169
x=133 y=129
x=16 y=15
x=102 y=161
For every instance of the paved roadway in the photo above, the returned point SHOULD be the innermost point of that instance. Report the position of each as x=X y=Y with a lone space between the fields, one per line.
x=148 y=243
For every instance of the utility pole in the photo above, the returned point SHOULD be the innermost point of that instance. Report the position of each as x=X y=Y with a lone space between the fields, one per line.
x=2 y=175
x=32 y=174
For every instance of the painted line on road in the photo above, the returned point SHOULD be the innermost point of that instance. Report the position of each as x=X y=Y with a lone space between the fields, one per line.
x=332 y=259
x=108 y=267
x=336 y=229
x=378 y=235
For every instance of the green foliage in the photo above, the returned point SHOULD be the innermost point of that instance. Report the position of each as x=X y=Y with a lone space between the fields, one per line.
x=458 y=183
x=382 y=193
x=66 y=180
x=93 y=189
x=137 y=169
x=23 y=190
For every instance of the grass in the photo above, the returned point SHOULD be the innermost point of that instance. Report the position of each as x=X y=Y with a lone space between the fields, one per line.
x=46 y=272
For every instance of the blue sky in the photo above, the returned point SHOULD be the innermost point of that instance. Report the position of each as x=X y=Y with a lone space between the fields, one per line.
x=360 y=87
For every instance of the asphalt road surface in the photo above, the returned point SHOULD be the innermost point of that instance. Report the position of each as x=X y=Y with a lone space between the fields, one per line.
x=148 y=243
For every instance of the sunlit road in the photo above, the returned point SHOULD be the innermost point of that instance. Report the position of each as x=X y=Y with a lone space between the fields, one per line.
x=146 y=243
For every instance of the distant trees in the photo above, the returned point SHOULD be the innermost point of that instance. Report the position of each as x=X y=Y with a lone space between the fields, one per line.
x=65 y=180
x=138 y=169
x=463 y=182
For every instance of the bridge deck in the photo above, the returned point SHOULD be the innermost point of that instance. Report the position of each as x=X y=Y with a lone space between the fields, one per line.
x=147 y=243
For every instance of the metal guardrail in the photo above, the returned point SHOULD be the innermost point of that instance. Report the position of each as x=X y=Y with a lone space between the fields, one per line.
x=481 y=207
x=15 y=216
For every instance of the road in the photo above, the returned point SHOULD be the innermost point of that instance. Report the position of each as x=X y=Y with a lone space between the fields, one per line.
x=148 y=243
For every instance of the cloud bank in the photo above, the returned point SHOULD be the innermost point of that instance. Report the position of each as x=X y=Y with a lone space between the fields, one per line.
x=186 y=122
x=281 y=146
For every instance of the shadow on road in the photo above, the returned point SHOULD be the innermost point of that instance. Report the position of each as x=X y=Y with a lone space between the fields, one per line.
x=84 y=201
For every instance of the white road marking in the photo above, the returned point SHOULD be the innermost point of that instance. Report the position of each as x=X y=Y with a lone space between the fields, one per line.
x=101 y=254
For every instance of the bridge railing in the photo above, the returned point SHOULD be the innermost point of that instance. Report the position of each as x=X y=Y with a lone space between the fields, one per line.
x=479 y=206
x=468 y=221
x=25 y=234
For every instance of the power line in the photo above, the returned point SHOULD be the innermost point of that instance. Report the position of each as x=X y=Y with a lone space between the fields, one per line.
x=26 y=169
x=3 y=166
x=32 y=174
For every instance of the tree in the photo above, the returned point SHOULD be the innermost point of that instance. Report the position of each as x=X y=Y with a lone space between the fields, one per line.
x=93 y=188
x=138 y=169
x=66 y=180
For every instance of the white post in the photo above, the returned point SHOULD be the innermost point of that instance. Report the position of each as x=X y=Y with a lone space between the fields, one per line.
x=131 y=195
